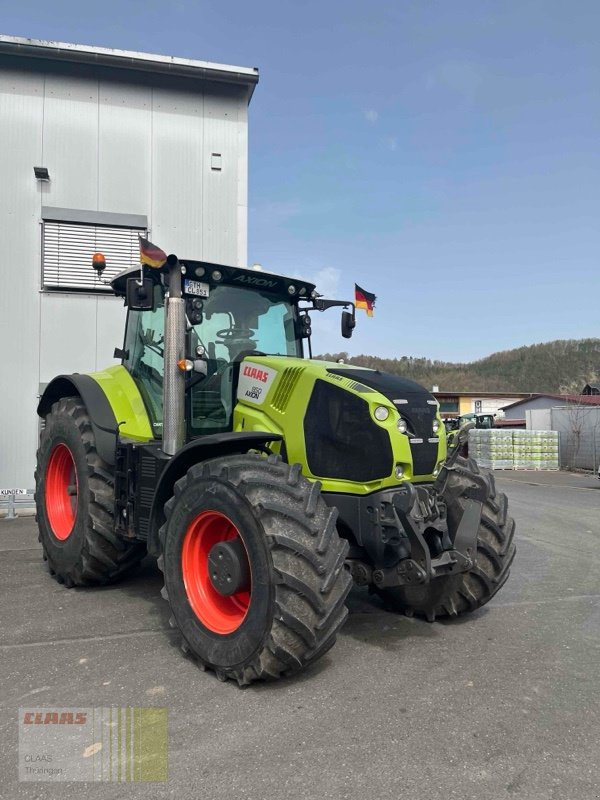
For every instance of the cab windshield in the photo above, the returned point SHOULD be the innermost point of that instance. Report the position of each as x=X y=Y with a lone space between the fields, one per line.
x=237 y=321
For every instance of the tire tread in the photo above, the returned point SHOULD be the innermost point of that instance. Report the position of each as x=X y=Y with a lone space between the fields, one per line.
x=105 y=557
x=310 y=580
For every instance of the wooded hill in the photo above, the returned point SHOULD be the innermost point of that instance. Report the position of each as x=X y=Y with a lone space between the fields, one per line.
x=563 y=366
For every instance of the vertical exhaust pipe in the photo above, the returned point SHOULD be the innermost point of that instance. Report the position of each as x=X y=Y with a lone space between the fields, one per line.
x=174 y=378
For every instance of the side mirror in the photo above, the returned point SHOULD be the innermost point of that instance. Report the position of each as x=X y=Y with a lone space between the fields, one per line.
x=140 y=294
x=348 y=324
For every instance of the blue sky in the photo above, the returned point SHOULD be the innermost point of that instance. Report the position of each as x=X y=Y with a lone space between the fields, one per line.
x=444 y=155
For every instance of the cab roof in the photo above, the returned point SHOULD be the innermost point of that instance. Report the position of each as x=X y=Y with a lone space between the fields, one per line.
x=217 y=274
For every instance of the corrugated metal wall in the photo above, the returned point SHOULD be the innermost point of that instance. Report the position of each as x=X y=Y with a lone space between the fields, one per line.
x=109 y=146
x=579 y=429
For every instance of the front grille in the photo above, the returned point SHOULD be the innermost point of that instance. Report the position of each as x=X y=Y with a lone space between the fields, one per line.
x=420 y=416
x=413 y=402
x=424 y=457
x=342 y=441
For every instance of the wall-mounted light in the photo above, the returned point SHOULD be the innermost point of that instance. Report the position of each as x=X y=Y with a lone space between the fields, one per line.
x=41 y=173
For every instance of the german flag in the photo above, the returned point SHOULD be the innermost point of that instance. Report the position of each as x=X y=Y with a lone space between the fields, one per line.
x=150 y=254
x=364 y=300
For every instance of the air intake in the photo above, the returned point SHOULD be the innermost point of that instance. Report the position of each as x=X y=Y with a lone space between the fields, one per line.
x=287 y=384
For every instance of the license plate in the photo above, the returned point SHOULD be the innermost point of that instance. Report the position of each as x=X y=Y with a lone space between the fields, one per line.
x=196 y=288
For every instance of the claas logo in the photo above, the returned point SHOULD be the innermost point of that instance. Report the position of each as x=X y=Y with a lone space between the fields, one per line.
x=55 y=718
x=257 y=374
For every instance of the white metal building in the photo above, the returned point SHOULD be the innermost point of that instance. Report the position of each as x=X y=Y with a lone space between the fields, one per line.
x=121 y=143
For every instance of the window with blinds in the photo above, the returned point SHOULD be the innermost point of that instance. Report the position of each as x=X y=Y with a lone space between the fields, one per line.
x=68 y=247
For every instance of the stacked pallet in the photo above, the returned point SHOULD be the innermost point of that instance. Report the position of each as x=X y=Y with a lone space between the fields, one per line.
x=535 y=449
x=491 y=448
x=514 y=449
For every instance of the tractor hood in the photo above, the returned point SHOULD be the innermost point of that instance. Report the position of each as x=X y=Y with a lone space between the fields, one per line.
x=393 y=387
x=332 y=420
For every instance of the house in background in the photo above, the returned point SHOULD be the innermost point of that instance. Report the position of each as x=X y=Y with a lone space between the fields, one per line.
x=575 y=417
x=542 y=412
x=591 y=389
x=455 y=404
x=544 y=402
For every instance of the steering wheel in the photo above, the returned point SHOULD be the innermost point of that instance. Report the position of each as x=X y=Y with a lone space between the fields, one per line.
x=230 y=334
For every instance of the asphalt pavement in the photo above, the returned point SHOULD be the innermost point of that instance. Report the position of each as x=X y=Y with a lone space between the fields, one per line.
x=500 y=704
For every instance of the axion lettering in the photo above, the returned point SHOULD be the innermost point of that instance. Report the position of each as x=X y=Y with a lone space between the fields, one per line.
x=256 y=281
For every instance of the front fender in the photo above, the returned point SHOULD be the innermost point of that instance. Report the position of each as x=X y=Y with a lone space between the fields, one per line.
x=196 y=451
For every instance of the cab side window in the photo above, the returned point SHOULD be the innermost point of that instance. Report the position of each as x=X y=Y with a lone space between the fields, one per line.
x=144 y=345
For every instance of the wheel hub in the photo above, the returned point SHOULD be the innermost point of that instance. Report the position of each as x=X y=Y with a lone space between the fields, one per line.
x=228 y=568
x=61 y=491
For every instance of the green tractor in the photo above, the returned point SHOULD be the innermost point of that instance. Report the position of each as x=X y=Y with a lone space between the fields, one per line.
x=265 y=483
x=454 y=424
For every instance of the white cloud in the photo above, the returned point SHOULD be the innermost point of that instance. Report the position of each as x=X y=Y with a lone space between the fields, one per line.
x=371 y=116
x=326 y=279
x=464 y=78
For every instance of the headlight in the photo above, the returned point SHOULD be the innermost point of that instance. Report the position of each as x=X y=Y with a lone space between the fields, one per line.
x=399 y=472
x=381 y=413
x=436 y=426
x=401 y=425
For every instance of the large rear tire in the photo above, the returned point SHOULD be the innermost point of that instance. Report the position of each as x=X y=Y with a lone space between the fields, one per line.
x=457 y=594
x=286 y=612
x=74 y=498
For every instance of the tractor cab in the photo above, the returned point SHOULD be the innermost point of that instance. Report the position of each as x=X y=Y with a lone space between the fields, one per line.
x=485 y=421
x=230 y=314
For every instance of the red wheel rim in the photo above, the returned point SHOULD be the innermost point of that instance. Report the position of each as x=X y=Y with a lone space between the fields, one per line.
x=61 y=491
x=215 y=611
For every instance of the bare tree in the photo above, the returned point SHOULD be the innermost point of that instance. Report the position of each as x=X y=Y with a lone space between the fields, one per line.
x=583 y=428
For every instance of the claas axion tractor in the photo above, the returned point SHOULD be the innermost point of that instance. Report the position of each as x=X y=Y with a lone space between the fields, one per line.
x=264 y=482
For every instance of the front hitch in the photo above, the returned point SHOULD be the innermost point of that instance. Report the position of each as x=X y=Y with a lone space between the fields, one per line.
x=418 y=510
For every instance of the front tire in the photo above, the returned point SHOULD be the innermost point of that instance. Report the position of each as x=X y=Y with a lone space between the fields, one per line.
x=457 y=594
x=286 y=612
x=74 y=498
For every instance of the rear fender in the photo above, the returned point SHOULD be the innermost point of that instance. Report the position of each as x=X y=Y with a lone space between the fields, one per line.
x=99 y=409
x=113 y=402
